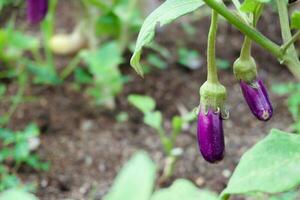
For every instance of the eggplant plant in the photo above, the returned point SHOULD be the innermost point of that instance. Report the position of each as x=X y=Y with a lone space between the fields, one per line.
x=252 y=174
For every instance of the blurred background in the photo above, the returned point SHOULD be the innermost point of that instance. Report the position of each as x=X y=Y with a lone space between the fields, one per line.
x=72 y=110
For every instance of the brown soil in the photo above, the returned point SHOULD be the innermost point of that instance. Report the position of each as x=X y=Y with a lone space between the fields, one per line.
x=87 y=147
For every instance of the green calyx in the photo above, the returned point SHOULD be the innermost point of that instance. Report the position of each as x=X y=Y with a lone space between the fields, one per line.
x=245 y=69
x=213 y=95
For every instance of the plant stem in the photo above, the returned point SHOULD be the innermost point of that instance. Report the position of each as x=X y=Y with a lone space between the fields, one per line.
x=246 y=49
x=244 y=28
x=47 y=32
x=168 y=168
x=285 y=25
x=291 y=61
x=17 y=99
x=237 y=5
x=70 y=68
x=212 y=74
x=290 y=42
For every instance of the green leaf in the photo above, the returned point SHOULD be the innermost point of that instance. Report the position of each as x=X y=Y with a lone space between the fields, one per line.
x=6 y=3
x=166 y=13
x=251 y=5
x=103 y=64
x=2 y=90
x=9 y=181
x=43 y=74
x=102 y=61
x=35 y=162
x=153 y=119
x=156 y=61
x=183 y=190
x=285 y=88
x=16 y=194
x=22 y=151
x=294 y=105
x=108 y=25
x=135 y=181
x=31 y=130
x=295 y=22
x=144 y=103
x=223 y=64
x=271 y=166
x=82 y=76
x=122 y=117
x=177 y=123
x=189 y=58
x=21 y=41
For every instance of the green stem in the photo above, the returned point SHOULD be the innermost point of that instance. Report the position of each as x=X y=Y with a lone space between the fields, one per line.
x=169 y=168
x=47 y=32
x=285 y=25
x=167 y=146
x=212 y=74
x=37 y=56
x=70 y=68
x=291 y=61
x=246 y=49
x=290 y=42
x=245 y=29
x=243 y=15
x=17 y=99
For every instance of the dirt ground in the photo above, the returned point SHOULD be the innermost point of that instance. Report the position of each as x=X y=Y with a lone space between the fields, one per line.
x=87 y=147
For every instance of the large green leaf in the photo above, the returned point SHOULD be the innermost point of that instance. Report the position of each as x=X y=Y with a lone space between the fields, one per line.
x=135 y=181
x=183 y=189
x=166 y=13
x=16 y=194
x=271 y=166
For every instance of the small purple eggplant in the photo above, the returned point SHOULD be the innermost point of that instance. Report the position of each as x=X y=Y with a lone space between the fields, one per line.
x=210 y=135
x=36 y=10
x=257 y=99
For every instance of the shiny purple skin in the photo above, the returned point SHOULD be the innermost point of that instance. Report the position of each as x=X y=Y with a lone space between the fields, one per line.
x=36 y=10
x=257 y=99
x=211 y=136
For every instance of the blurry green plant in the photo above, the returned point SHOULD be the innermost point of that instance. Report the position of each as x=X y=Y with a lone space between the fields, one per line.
x=293 y=101
x=156 y=61
x=189 y=58
x=4 y=3
x=111 y=25
x=107 y=80
x=14 y=44
x=16 y=194
x=269 y=170
x=154 y=119
x=14 y=48
x=136 y=181
x=17 y=149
